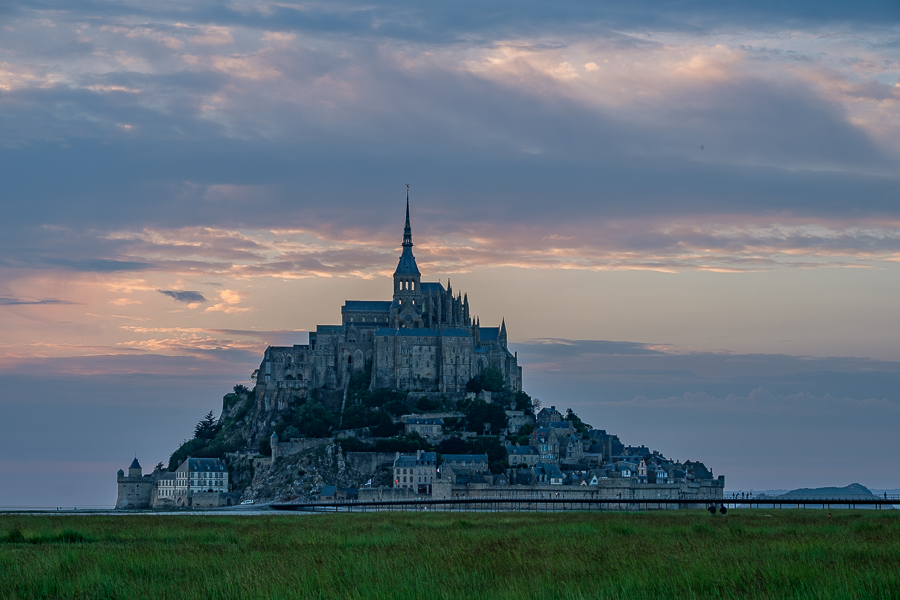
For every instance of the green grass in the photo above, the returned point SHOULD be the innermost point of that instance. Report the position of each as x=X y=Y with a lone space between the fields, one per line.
x=791 y=554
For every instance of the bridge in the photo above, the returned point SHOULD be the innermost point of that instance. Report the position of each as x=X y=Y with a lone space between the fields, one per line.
x=587 y=504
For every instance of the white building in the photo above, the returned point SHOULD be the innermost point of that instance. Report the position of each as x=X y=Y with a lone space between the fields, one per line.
x=199 y=475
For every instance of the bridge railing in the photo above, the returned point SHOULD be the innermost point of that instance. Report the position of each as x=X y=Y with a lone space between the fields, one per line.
x=597 y=504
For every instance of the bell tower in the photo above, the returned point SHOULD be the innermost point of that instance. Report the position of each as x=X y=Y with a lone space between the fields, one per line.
x=406 y=309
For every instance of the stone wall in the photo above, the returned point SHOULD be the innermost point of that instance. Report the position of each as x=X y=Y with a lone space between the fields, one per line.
x=369 y=462
x=135 y=492
x=298 y=445
x=373 y=494
x=214 y=499
x=608 y=489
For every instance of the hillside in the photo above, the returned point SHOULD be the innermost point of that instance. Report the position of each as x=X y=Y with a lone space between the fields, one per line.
x=341 y=427
x=854 y=490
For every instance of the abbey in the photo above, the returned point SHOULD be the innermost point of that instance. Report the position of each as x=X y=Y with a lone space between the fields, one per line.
x=424 y=339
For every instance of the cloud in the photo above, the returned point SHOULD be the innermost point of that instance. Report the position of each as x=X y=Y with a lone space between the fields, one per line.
x=184 y=296
x=213 y=35
x=230 y=300
x=9 y=301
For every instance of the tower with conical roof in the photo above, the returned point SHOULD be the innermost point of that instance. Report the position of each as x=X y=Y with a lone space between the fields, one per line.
x=406 y=308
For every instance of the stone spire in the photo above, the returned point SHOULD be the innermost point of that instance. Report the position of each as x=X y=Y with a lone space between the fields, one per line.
x=407 y=265
x=407 y=230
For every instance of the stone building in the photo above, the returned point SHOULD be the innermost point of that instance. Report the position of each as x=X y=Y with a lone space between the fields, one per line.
x=135 y=489
x=423 y=339
x=522 y=455
x=198 y=482
x=429 y=428
x=415 y=472
x=199 y=475
x=473 y=462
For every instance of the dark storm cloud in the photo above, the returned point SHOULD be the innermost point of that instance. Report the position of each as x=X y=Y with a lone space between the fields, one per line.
x=184 y=296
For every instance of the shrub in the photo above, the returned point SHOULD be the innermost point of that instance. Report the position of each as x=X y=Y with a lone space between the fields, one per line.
x=15 y=536
x=355 y=445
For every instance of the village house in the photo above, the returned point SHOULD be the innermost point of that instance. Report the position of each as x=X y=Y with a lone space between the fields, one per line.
x=415 y=472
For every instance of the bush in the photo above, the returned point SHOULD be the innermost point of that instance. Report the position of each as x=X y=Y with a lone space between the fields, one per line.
x=355 y=445
x=380 y=397
x=407 y=445
x=15 y=536
x=395 y=407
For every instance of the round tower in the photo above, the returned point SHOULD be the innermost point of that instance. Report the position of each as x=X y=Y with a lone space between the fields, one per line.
x=273 y=443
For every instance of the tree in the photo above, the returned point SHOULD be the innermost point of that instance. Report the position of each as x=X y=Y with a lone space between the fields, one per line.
x=395 y=407
x=490 y=380
x=424 y=404
x=523 y=402
x=579 y=425
x=453 y=445
x=314 y=420
x=385 y=427
x=207 y=428
x=480 y=412
x=265 y=447
x=489 y=445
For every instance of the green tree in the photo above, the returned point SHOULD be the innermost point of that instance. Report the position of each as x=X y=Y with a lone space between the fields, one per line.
x=265 y=447
x=579 y=425
x=453 y=445
x=314 y=420
x=386 y=426
x=188 y=448
x=424 y=404
x=379 y=397
x=207 y=428
x=490 y=445
x=395 y=407
x=490 y=380
x=480 y=412
x=522 y=401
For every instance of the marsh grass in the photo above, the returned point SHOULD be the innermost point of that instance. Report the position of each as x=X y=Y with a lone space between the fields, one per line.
x=794 y=554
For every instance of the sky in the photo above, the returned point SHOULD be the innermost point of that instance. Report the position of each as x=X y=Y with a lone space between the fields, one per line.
x=687 y=212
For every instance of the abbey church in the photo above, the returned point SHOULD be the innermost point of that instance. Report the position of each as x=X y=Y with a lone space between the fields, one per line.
x=423 y=339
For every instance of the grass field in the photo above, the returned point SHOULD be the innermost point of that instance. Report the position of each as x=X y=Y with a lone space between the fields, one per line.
x=790 y=554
